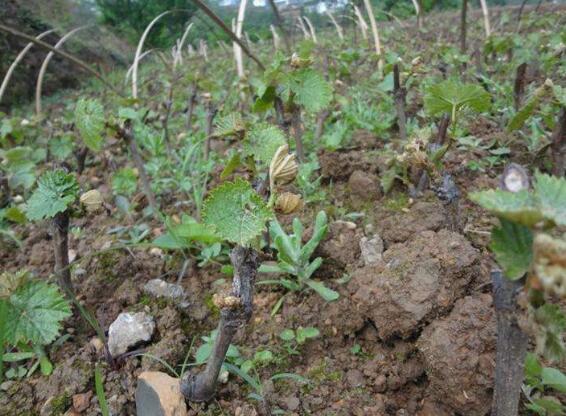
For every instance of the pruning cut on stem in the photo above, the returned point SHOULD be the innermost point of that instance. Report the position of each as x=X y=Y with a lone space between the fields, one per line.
x=237 y=311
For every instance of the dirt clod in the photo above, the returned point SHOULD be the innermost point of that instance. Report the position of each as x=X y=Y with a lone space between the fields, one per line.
x=415 y=282
x=459 y=354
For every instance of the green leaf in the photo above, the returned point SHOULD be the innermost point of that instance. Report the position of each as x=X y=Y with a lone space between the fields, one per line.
x=35 y=312
x=203 y=353
x=545 y=406
x=533 y=369
x=99 y=388
x=449 y=96
x=230 y=125
x=265 y=356
x=237 y=212
x=550 y=193
x=202 y=233
x=13 y=357
x=287 y=335
x=14 y=214
x=512 y=245
x=10 y=282
x=547 y=202
x=262 y=142
x=90 y=120
x=125 y=181
x=305 y=333
x=61 y=147
x=327 y=294
x=513 y=206
x=234 y=162
x=551 y=324
x=529 y=108
x=265 y=101
x=56 y=190
x=169 y=242
x=312 y=267
x=310 y=89
x=291 y=376
x=255 y=384
x=320 y=229
x=554 y=378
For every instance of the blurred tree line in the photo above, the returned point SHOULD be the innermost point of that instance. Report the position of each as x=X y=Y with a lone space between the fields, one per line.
x=130 y=17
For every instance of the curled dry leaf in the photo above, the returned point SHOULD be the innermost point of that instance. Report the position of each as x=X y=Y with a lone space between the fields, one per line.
x=92 y=200
x=550 y=263
x=288 y=203
x=283 y=167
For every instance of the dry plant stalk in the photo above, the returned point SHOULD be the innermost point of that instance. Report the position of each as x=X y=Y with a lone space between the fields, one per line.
x=238 y=31
x=303 y=27
x=486 y=24
x=376 y=40
x=276 y=40
x=139 y=52
x=43 y=69
x=361 y=22
x=336 y=25
x=18 y=59
x=418 y=12
x=131 y=68
x=311 y=29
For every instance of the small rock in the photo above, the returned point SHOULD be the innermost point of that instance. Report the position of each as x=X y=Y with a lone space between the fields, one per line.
x=128 y=330
x=72 y=255
x=162 y=289
x=158 y=394
x=128 y=293
x=355 y=378
x=157 y=252
x=81 y=402
x=292 y=403
x=5 y=386
x=371 y=250
x=364 y=185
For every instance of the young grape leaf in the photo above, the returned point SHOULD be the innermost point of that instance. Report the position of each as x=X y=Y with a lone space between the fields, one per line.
x=547 y=202
x=310 y=89
x=449 y=96
x=512 y=245
x=89 y=119
x=230 y=125
x=262 y=142
x=551 y=324
x=513 y=206
x=237 y=212
x=530 y=107
x=56 y=190
x=35 y=312
x=550 y=194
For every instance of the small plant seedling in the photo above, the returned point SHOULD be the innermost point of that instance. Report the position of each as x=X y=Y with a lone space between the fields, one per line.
x=540 y=382
x=293 y=339
x=294 y=258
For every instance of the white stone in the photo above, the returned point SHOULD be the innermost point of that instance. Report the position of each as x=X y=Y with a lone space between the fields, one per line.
x=128 y=330
x=161 y=289
x=371 y=250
